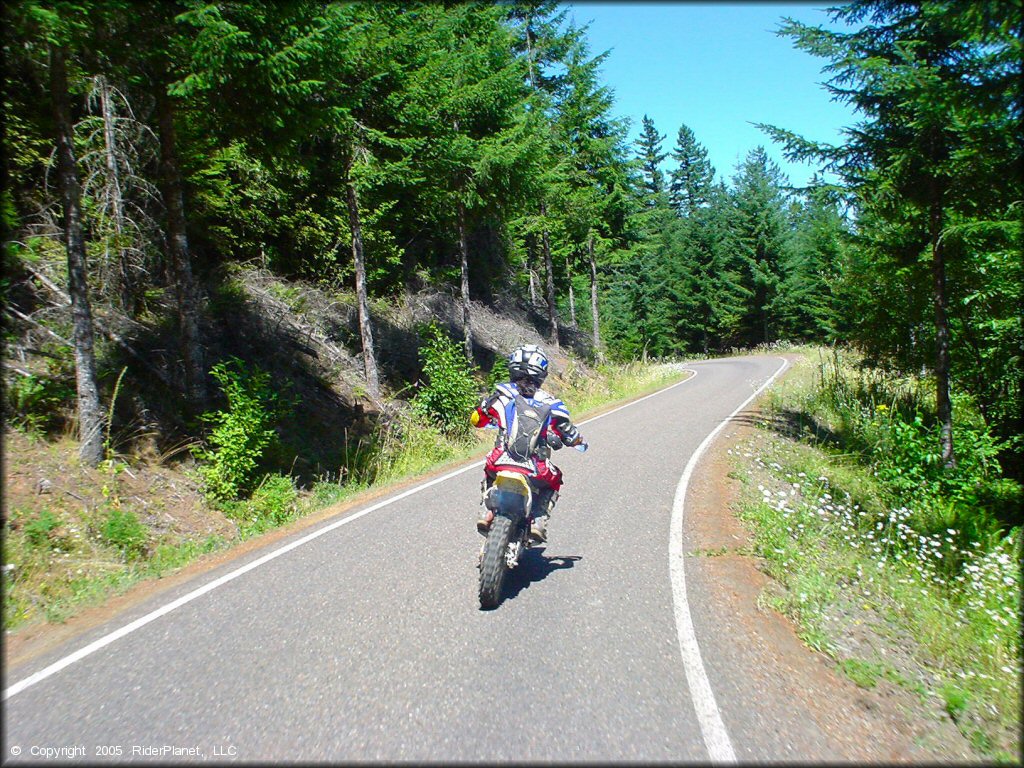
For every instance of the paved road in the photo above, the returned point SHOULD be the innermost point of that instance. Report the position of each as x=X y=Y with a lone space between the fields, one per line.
x=367 y=642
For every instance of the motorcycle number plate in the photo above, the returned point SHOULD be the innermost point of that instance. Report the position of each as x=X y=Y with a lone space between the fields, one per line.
x=512 y=483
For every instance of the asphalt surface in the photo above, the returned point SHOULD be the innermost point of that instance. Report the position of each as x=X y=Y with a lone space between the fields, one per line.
x=367 y=643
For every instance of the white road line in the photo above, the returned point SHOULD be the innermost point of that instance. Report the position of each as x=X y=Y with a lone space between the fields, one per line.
x=106 y=640
x=716 y=738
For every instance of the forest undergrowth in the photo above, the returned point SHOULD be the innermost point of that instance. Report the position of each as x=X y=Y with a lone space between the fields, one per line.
x=897 y=568
x=74 y=537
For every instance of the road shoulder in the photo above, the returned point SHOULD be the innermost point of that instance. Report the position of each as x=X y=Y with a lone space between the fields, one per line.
x=768 y=679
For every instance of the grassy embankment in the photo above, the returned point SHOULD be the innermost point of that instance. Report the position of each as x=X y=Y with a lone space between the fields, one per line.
x=867 y=536
x=62 y=555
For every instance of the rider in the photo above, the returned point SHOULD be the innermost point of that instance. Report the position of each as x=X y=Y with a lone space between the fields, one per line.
x=528 y=367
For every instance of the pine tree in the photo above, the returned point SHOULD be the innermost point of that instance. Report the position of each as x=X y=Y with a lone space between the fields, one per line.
x=594 y=145
x=51 y=36
x=761 y=233
x=480 y=153
x=937 y=85
x=543 y=43
x=90 y=414
x=651 y=157
x=691 y=182
x=806 y=307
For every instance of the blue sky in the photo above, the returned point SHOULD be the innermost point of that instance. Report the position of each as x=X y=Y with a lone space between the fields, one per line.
x=717 y=68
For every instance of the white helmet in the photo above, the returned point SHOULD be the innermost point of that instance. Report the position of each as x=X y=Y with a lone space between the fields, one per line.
x=529 y=360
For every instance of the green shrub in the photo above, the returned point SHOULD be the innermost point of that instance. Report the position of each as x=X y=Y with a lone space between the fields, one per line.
x=273 y=503
x=863 y=673
x=37 y=530
x=890 y=424
x=499 y=373
x=35 y=402
x=955 y=699
x=241 y=434
x=123 y=530
x=450 y=391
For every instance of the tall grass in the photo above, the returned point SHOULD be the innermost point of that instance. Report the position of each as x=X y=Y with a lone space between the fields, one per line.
x=860 y=517
x=57 y=563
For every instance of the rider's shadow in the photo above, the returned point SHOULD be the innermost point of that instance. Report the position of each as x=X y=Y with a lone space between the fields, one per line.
x=535 y=566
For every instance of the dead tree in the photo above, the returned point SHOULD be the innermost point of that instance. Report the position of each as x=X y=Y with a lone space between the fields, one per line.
x=90 y=413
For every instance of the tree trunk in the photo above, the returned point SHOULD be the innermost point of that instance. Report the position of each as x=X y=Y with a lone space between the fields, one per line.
x=467 y=328
x=944 y=407
x=180 y=255
x=533 y=286
x=125 y=287
x=593 y=298
x=549 y=268
x=90 y=414
x=572 y=296
x=359 y=259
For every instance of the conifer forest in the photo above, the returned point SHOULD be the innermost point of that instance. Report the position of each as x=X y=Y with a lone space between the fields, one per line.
x=377 y=148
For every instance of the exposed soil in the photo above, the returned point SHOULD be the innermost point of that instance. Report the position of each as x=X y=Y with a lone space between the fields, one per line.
x=304 y=338
x=886 y=723
x=40 y=475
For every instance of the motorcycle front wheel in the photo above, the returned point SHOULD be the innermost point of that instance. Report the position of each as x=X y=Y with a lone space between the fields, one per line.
x=493 y=566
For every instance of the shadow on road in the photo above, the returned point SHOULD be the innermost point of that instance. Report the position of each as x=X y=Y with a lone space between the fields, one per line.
x=533 y=567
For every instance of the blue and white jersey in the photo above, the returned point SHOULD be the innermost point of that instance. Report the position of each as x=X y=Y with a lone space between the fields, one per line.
x=503 y=410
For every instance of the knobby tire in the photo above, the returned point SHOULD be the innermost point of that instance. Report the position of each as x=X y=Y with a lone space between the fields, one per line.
x=493 y=566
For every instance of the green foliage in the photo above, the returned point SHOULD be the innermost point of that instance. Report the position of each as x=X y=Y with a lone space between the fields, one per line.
x=692 y=178
x=863 y=673
x=450 y=390
x=273 y=503
x=37 y=530
x=499 y=373
x=933 y=172
x=123 y=530
x=934 y=577
x=909 y=462
x=651 y=157
x=242 y=433
x=35 y=402
x=889 y=424
x=955 y=699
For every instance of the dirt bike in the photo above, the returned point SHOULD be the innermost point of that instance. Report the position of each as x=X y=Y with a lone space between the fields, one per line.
x=511 y=499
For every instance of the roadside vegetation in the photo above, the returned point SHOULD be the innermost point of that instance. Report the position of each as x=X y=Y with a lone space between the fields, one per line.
x=261 y=257
x=897 y=568
x=65 y=552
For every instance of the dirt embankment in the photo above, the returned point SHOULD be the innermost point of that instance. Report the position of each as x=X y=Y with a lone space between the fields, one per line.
x=848 y=723
x=845 y=723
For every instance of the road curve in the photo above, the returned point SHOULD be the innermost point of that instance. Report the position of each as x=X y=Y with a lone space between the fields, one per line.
x=366 y=642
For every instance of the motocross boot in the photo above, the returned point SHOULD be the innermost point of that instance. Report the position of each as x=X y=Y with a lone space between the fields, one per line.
x=483 y=523
x=543 y=502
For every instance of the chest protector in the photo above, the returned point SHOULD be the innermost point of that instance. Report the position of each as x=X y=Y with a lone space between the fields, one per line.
x=524 y=433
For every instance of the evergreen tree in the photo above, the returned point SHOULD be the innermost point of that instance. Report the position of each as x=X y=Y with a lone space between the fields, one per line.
x=691 y=182
x=51 y=37
x=761 y=230
x=651 y=157
x=593 y=141
x=937 y=85
x=806 y=308
x=543 y=43
x=481 y=154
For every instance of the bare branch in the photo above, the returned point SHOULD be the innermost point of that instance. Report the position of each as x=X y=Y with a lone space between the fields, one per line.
x=21 y=316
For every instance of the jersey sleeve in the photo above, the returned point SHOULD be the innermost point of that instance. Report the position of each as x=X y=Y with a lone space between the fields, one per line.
x=561 y=423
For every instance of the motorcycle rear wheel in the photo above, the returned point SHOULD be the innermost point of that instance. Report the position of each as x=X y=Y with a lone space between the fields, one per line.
x=493 y=566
